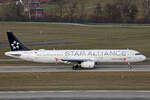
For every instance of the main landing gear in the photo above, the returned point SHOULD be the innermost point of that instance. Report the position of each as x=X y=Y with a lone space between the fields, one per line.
x=76 y=67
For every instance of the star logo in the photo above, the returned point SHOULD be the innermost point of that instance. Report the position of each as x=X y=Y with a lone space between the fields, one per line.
x=15 y=45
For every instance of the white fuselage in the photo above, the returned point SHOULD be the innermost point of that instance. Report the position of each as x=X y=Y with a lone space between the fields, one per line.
x=63 y=56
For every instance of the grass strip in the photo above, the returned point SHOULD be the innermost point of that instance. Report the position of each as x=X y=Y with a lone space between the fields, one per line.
x=75 y=81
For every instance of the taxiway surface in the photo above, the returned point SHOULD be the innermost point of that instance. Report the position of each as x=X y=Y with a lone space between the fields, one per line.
x=76 y=95
x=100 y=68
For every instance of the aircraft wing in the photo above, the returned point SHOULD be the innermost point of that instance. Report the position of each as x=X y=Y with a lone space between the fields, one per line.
x=76 y=60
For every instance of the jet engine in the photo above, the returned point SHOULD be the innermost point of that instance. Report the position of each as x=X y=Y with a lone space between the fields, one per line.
x=88 y=64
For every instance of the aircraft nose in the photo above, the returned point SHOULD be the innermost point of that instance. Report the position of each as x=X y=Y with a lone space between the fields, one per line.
x=143 y=57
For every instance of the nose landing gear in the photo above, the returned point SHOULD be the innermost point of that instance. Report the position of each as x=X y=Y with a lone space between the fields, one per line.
x=130 y=66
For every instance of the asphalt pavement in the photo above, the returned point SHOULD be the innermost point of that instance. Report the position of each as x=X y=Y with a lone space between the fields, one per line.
x=58 y=68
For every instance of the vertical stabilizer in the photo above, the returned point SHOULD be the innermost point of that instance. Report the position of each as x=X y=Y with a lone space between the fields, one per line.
x=15 y=44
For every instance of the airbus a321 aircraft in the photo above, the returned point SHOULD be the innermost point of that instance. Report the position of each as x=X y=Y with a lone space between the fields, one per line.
x=79 y=58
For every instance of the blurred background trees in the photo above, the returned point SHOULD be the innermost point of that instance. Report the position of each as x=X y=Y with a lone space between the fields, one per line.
x=122 y=11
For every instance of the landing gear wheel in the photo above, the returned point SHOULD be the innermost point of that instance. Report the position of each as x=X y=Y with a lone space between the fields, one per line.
x=130 y=66
x=76 y=67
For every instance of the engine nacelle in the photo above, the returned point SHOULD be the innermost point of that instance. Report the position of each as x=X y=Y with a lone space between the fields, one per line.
x=88 y=64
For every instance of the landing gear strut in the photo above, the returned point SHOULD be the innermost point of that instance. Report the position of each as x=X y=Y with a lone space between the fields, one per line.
x=76 y=67
x=130 y=66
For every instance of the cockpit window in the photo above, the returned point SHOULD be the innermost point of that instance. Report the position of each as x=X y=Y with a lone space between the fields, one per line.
x=138 y=54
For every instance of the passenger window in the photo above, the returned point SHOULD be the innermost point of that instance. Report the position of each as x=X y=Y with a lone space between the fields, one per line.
x=17 y=55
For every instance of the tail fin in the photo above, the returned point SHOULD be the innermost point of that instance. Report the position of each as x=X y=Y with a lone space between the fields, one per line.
x=15 y=44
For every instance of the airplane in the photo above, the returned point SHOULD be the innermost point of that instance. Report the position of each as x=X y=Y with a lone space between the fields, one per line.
x=81 y=59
